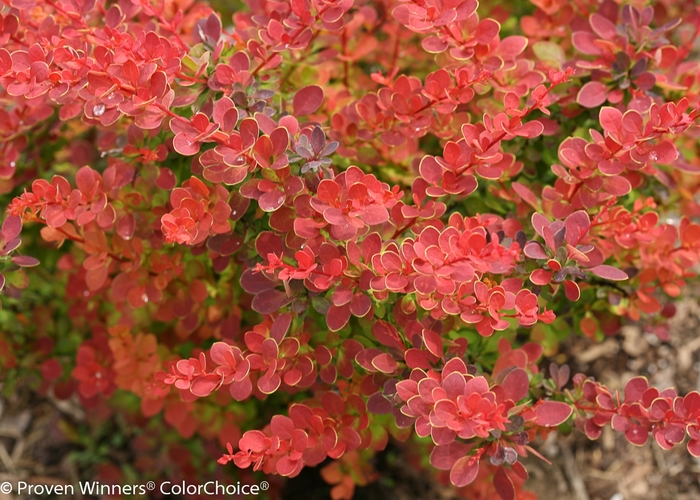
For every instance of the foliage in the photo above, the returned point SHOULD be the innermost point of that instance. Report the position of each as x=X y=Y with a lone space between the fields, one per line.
x=332 y=222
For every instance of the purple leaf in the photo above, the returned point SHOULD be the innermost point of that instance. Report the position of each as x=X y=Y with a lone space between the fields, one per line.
x=535 y=251
x=270 y=301
x=378 y=404
x=25 y=261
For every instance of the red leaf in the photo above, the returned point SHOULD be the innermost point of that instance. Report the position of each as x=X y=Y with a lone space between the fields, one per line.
x=541 y=277
x=635 y=388
x=374 y=214
x=203 y=386
x=433 y=342
x=592 y=95
x=253 y=441
x=694 y=447
x=610 y=119
x=486 y=31
x=512 y=46
x=184 y=145
x=602 y=26
x=282 y=426
x=270 y=301
x=444 y=457
x=269 y=384
x=609 y=273
x=385 y=363
x=617 y=186
x=11 y=227
x=286 y=467
x=637 y=435
x=126 y=225
x=280 y=327
x=552 y=413
x=242 y=389
x=95 y=278
x=25 y=261
x=378 y=404
x=338 y=317
x=503 y=484
x=535 y=251
x=434 y=45
x=572 y=291
x=430 y=170
x=516 y=385
x=5 y=61
x=526 y=194
x=308 y=100
x=85 y=180
x=530 y=129
x=519 y=469
x=328 y=191
x=464 y=471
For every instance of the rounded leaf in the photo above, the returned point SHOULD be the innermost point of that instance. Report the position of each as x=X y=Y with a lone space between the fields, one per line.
x=609 y=273
x=464 y=471
x=308 y=100
x=25 y=261
x=552 y=413
x=592 y=95
x=516 y=385
x=11 y=227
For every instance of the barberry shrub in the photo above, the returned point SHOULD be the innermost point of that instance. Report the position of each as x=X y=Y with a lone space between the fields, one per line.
x=296 y=230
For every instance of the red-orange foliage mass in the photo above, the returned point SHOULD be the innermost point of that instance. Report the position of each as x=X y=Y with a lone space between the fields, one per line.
x=368 y=218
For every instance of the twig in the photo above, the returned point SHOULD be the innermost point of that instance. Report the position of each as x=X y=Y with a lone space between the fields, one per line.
x=6 y=459
x=577 y=484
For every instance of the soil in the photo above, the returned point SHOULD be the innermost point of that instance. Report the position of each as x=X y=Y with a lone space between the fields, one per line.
x=33 y=449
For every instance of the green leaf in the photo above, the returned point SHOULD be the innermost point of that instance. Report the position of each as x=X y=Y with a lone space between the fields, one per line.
x=549 y=53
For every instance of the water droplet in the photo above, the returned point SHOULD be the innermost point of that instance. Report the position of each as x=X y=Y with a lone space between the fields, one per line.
x=281 y=200
x=234 y=212
x=12 y=164
x=98 y=110
x=653 y=156
x=98 y=375
x=111 y=97
x=240 y=159
x=86 y=293
x=144 y=297
x=673 y=220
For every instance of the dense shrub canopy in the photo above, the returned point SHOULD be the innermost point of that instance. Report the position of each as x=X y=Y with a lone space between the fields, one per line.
x=303 y=227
